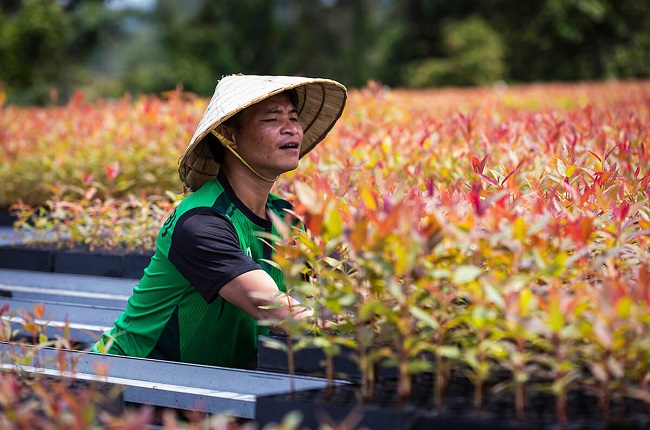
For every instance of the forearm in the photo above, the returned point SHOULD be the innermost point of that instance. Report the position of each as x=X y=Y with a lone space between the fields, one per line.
x=256 y=294
x=280 y=309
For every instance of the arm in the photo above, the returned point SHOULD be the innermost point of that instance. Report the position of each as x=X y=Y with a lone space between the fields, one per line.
x=252 y=290
x=206 y=252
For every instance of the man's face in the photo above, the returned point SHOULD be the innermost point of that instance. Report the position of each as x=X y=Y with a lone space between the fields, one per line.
x=270 y=136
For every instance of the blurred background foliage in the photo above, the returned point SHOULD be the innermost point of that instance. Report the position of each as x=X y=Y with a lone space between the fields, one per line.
x=105 y=48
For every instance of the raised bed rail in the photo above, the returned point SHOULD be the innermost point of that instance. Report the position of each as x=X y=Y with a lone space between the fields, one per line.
x=167 y=384
x=85 y=305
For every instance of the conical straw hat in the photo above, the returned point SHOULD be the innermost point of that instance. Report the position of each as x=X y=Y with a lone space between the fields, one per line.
x=320 y=105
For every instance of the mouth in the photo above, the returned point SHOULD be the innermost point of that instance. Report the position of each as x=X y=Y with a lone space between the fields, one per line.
x=290 y=146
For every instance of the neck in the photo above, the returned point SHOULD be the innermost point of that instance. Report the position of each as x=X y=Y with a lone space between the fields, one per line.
x=249 y=188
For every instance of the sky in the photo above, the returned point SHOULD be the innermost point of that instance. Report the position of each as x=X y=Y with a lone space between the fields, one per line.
x=140 y=4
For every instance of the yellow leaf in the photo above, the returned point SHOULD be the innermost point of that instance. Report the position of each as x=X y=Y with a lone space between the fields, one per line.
x=368 y=197
x=525 y=300
x=333 y=223
x=570 y=171
x=645 y=225
x=556 y=319
x=519 y=228
x=31 y=328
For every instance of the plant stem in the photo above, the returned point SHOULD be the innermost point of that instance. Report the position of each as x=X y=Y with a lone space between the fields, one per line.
x=404 y=381
x=621 y=402
x=329 y=375
x=520 y=400
x=478 y=397
x=440 y=380
x=561 y=399
x=560 y=407
x=520 y=386
x=367 y=372
x=603 y=401
x=290 y=364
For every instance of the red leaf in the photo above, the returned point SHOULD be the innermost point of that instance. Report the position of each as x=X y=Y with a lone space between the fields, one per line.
x=595 y=155
x=488 y=179
x=575 y=196
x=479 y=166
x=474 y=197
x=112 y=170
x=515 y=170
x=87 y=178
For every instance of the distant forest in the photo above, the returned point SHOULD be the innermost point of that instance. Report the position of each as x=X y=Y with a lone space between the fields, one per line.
x=51 y=48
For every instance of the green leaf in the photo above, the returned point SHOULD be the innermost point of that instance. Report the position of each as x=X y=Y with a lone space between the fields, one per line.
x=452 y=352
x=465 y=274
x=272 y=343
x=292 y=420
x=418 y=366
x=347 y=299
x=368 y=310
x=493 y=295
x=424 y=317
x=440 y=274
x=271 y=306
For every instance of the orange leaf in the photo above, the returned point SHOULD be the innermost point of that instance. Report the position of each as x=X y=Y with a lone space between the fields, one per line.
x=39 y=310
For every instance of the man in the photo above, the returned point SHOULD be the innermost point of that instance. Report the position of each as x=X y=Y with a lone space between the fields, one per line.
x=208 y=284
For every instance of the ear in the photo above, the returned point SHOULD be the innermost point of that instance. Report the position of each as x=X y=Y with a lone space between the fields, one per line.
x=227 y=132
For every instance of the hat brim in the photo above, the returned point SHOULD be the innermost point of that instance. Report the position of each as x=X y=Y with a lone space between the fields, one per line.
x=320 y=105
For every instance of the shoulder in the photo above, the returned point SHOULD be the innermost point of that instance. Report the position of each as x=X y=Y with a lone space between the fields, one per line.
x=279 y=205
x=203 y=222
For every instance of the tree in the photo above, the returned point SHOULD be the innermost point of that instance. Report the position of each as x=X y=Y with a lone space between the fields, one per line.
x=50 y=48
x=33 y=43
x=473 y=55
x=573 y=39
x=54 y=47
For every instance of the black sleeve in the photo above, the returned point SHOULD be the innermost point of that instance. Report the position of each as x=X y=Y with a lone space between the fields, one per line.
x=205 y=250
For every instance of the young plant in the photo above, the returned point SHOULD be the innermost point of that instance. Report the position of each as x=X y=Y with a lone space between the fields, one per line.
x=561 y=314
x=315 y=273
x=290 y=258
x=520 y=336
x=479 y=348
x=436 y=317
x=128 y=224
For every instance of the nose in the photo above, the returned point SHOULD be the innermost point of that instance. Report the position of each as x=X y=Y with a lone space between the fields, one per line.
x=292 y=127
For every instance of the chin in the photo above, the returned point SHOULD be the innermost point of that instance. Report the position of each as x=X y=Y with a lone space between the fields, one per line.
x=289 y=169
x=290 y=166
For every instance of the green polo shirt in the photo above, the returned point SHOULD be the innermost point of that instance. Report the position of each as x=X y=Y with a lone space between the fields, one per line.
x=175 y=312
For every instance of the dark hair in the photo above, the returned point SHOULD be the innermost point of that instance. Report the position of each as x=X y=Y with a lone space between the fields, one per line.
x=235 y=120
x=293 y=96
x=217 y=149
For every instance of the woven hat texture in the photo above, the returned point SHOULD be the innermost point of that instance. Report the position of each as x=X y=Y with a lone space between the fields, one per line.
x=320 y=105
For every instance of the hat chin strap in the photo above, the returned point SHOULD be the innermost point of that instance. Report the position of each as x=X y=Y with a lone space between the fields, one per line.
x=228 y=144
